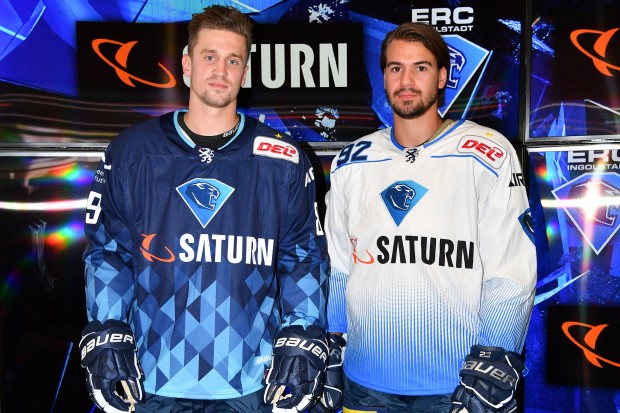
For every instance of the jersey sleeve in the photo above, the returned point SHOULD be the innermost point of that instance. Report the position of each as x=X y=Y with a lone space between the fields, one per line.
x=509 y=259
x=339 y=256
x=302 y=255
x=108 y=270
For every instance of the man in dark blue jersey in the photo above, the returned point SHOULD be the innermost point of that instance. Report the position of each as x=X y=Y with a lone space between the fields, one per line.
x=206 y=262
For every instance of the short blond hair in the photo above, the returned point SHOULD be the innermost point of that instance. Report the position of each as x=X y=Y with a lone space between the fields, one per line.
x=218 y=17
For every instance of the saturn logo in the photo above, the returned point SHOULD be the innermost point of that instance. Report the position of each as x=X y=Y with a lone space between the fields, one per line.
x=146 y=245
x=120 y=64
x=589 y=342
x=600 y=48
x=356 y=258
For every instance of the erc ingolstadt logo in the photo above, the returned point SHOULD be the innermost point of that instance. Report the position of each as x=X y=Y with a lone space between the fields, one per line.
x=401 y=197
x=204 y=197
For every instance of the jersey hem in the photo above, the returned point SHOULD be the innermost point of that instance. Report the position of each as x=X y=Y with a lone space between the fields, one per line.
x=203 y=395
x=416 y=392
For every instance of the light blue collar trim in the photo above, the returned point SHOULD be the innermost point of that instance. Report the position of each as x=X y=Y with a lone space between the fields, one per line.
x=190 y=142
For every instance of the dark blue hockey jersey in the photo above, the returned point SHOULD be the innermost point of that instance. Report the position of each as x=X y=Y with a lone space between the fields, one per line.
x=205 y=253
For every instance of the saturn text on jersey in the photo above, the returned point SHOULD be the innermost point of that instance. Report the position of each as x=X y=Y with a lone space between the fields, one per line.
x=420 y=249
x=234 y=249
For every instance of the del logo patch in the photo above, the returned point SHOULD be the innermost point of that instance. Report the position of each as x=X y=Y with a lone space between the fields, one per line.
x=401 y=197
x=204 y=197
x=275 y=148
x=484 y=149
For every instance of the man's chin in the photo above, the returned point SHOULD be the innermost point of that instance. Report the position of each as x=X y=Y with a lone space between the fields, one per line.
x=216 y=102
x=410 y=113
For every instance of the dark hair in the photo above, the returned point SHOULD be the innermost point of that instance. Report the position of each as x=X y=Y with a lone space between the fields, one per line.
x=218 y=17
x=425 y=34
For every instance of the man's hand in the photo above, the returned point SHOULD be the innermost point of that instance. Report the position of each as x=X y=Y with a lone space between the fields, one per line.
x=109 y=355
x=295 y=378
x=489 y=378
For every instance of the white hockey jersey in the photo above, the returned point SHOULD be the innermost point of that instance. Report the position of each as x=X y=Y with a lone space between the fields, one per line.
x=431 y=251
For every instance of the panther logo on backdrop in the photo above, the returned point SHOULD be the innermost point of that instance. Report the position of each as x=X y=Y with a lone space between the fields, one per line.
x=590 y=201
x=466 y=57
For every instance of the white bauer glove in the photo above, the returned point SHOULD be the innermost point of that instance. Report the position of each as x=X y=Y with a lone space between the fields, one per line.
x=489 y=379
x=294 y=381
x=109 y=355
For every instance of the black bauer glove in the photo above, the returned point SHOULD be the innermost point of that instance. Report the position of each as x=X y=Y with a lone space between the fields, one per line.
x=295 y=379
x=489 y=378
x=333 y=384
x=109 y=355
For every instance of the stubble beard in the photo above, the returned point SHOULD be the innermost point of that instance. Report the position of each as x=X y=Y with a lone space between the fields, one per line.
x=411 y=110
x=215 y=101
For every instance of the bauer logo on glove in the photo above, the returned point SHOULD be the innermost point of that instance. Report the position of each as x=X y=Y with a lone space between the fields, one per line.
x=113 y=371
x=489 y=378
x=294 y=381
x=97 y=340
x=303 y=344
x=500 y=376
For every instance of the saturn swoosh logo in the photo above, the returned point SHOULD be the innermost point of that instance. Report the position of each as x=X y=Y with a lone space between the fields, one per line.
x=589 y=342
x=120 y=66
x=146 y=245
x=600 y=48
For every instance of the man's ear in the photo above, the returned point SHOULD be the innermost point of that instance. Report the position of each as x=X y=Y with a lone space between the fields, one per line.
x=245 y=73
x=186 y=63
x=443 y=78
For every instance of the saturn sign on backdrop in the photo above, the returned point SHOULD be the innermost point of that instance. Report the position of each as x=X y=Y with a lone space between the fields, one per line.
x=131 y=63
x=297 y=73
x=589 y=44
x=583 y=346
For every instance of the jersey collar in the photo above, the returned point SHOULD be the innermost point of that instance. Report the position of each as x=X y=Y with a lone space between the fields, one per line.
x=191 y=143
x=446 y=127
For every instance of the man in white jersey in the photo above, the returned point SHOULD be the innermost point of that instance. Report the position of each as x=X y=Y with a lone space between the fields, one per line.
x=433 y=264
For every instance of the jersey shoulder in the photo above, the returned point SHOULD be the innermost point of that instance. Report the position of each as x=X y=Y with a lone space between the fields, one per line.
x=140 y=139
x=467 y=139
x=371 y=148
x=469 y=128
x=275 y=145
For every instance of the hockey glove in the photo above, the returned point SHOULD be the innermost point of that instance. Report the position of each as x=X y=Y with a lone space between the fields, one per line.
x=489 y=378
x=295 y=379
x=332 y=386
x=109 y=355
